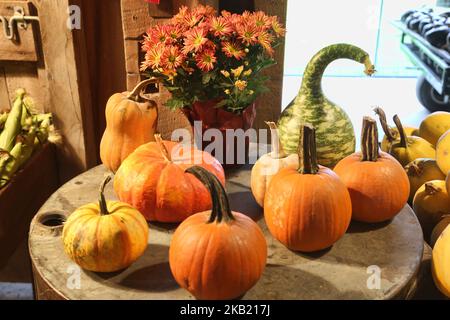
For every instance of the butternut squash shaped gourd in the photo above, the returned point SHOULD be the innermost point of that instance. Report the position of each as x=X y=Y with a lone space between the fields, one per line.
x=105 y=236
x=410 y=148
x=268 y=165
x=443 y=152
x=130 y=123
x=431 y=203
x=217 y=254
x=421 y=171
x=377 y=183
x=440 y=266
x=153 y=180
x=307 y=208
x=391 y=134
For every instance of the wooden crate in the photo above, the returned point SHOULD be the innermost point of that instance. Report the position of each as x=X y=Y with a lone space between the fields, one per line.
x=22 y=198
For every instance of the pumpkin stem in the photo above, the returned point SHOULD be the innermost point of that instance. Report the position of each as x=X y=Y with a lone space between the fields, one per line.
x=413 y=169
x=401 y=131
x=163 y=148
x=431 y=189
x=134 y=95
x=277 y=148
x=221 y=206
x=369 y=140
x=307 y=153
x=102 y=202
x=387 y=131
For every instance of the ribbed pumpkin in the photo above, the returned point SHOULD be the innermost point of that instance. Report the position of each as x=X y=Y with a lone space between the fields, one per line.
x=377 y=183
x=441 y=262
x=268 y=165
x=391 y=134
x=440 y=227
x=430 y=204
x=421 y=171
x=443 y=152
x=434 y=126
x=217 y=254
x=410 y=148
x=307 y=208
x=105 y=236
x=130 y=122
x=334 y=129
x=152 y=179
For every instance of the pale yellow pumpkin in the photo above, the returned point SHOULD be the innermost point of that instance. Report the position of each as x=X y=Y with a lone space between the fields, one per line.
x=430 y=204
x=105 y=236
x=421 y=171
x=443 y=152
x=437 y=231
x=441 y=262
x=434 y=126
x=269 y=165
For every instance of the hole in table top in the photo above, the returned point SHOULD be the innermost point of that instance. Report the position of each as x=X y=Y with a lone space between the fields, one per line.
x=52 y=219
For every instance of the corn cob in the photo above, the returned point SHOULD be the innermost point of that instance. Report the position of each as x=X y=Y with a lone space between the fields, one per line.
x=11 y=164
x=27 y=141
x=12 y=124
x=4 y=157
x=3 y=118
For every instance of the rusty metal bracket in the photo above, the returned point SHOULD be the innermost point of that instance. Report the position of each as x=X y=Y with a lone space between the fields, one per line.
x=18 y=20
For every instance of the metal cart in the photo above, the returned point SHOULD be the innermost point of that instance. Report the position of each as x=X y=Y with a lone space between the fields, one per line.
x=433 y=88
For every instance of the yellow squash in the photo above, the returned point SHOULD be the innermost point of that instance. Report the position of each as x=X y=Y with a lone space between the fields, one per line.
x=443 y=152
x=105 y=236
x=269 y=165
x=440 y=227
x=410 y=148
x=441 y=262
x=430 y=204
x=434 y=126
x=421 y=171
x=391 y=134
x=130 y=122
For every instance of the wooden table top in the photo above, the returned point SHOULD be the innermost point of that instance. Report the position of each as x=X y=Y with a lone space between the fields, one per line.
x=340 y=272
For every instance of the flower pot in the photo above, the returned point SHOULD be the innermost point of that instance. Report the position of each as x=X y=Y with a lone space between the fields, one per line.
x=211 y=123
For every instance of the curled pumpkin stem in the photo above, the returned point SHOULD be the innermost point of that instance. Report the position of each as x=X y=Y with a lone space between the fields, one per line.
x=277 y=149
x=102 y=201
x=387 y=131
x=163 y=147
x=135 y=94
x=307 y=153
x=369 y=140
x=401 y=131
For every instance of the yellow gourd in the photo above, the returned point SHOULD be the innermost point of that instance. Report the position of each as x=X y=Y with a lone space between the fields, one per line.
x=447 y=182
x=130 y=122
x=440 y=266
x=391 y=134
x=434 y=126
x=421 y=171
x=410 y=148
x=430 y=204
x=437 y=231
x=443 y=152
x=269 y=165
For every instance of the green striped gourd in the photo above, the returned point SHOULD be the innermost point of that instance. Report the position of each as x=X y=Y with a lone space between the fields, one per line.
x=334 y=130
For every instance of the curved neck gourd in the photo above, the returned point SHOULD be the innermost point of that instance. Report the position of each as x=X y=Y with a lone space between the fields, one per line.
x=311 y=88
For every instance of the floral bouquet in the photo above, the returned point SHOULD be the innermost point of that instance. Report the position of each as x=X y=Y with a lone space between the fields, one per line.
x=199 y=56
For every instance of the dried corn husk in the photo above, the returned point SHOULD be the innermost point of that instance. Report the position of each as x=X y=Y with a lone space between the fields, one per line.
x=12 y=125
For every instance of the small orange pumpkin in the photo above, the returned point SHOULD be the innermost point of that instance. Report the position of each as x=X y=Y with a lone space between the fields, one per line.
x=307 y=208
x=217 y=254
x=130 y=122
x=378 y=184
x=152 y=179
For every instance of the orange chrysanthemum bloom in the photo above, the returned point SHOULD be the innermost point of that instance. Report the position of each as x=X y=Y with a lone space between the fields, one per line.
x=195 y=40
x=220 y=26
x=180 y=17
x=247 y=33
x=153 y=57
x=205 y=11
x=277 y=27
x=265 y=39
x=206 y=60
x=233 y=50
x=172 y=58
x=261 y=20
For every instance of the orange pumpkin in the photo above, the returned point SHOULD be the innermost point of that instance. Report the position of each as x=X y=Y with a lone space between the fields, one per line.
x=217 y=254
x=152 y=179
x=130 y=122
x=307 y=208
x=378 y=184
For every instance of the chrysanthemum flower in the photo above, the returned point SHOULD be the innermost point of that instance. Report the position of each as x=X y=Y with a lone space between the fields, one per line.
x=276 y=27
x=195 y=40
x=206 y=60
x=180 y=17
x=261 y=20
x=220 y=26
x=233 y=50
x=240 y=84
x=205 y=11
x=225 y=73
x=153 y=57
x=247 y=33
x=172 y=58
x=265 y=39
x=237 y=72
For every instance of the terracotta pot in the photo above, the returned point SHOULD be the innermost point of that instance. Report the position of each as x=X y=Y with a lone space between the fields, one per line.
x=217 y=118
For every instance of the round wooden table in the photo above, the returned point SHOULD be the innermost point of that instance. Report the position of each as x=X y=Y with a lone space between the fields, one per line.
x=348 y=270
